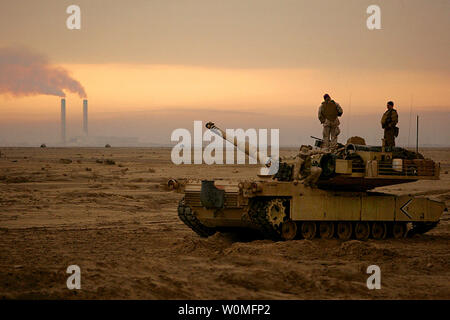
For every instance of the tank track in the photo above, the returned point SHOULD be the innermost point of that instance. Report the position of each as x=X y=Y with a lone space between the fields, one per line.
x=258 y=215
x=422 y=227
x=186 y=214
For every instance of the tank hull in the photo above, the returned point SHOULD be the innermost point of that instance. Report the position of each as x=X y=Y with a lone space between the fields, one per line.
x=305 y=205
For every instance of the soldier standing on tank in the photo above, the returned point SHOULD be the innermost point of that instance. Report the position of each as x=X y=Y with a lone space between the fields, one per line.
x=389 y=124
x=329 y=111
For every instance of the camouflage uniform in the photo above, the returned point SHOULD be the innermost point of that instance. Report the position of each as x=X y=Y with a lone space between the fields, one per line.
x=329 y=111
x=303 y=170
x=388 y=123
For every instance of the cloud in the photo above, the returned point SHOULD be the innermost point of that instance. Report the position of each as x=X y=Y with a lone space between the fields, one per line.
x=24 y=73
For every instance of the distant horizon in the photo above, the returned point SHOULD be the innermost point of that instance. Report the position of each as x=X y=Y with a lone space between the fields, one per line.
x=149 y=127
x=170 y=147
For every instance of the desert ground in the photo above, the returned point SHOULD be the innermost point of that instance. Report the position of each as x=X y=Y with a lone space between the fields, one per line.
x=105 y=210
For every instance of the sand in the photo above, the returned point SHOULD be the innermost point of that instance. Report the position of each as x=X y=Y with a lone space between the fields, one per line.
x=67 y=206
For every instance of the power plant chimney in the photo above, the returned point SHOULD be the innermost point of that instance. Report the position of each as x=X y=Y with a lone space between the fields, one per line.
x=63 y=120
x=85 y=117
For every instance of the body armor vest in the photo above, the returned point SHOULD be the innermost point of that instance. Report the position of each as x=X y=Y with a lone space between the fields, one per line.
x=329 y=110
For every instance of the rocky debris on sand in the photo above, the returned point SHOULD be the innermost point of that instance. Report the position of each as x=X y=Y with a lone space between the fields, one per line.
x=106 y=161
x=356 y=248
x=19 y=179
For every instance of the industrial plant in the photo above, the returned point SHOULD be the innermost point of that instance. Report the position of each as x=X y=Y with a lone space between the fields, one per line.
x=85 y=140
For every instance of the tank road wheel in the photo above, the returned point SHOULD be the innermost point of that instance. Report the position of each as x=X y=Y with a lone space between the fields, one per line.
x=362 y=230
x=399 y=230
x=422 y=227
x=288 y=230
x=326 y=230
x=308 y=230
x=344 y=230
x=379 y=230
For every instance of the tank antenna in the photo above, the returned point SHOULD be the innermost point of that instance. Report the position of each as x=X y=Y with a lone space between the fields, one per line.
x=417 y=135
x=349 y=114
x=410 y=115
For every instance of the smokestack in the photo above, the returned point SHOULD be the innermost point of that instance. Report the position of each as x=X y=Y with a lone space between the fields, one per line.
x=63 y=120
x=85 y=117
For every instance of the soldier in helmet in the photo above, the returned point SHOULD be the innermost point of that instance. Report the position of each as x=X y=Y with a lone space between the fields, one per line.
x=329 y=111
x=389 y=124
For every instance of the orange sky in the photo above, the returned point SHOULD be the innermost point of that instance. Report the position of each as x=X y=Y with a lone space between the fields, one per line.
x=128 y=87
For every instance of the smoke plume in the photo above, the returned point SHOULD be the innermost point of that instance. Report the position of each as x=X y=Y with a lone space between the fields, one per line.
x=25 y=73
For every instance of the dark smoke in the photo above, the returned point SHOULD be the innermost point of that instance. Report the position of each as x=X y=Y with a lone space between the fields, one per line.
x=24 y=73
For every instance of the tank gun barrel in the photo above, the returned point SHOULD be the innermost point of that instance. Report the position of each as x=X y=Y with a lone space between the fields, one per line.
x=247 y=148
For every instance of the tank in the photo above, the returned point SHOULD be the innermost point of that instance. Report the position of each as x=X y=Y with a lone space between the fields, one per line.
x=338 y=203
